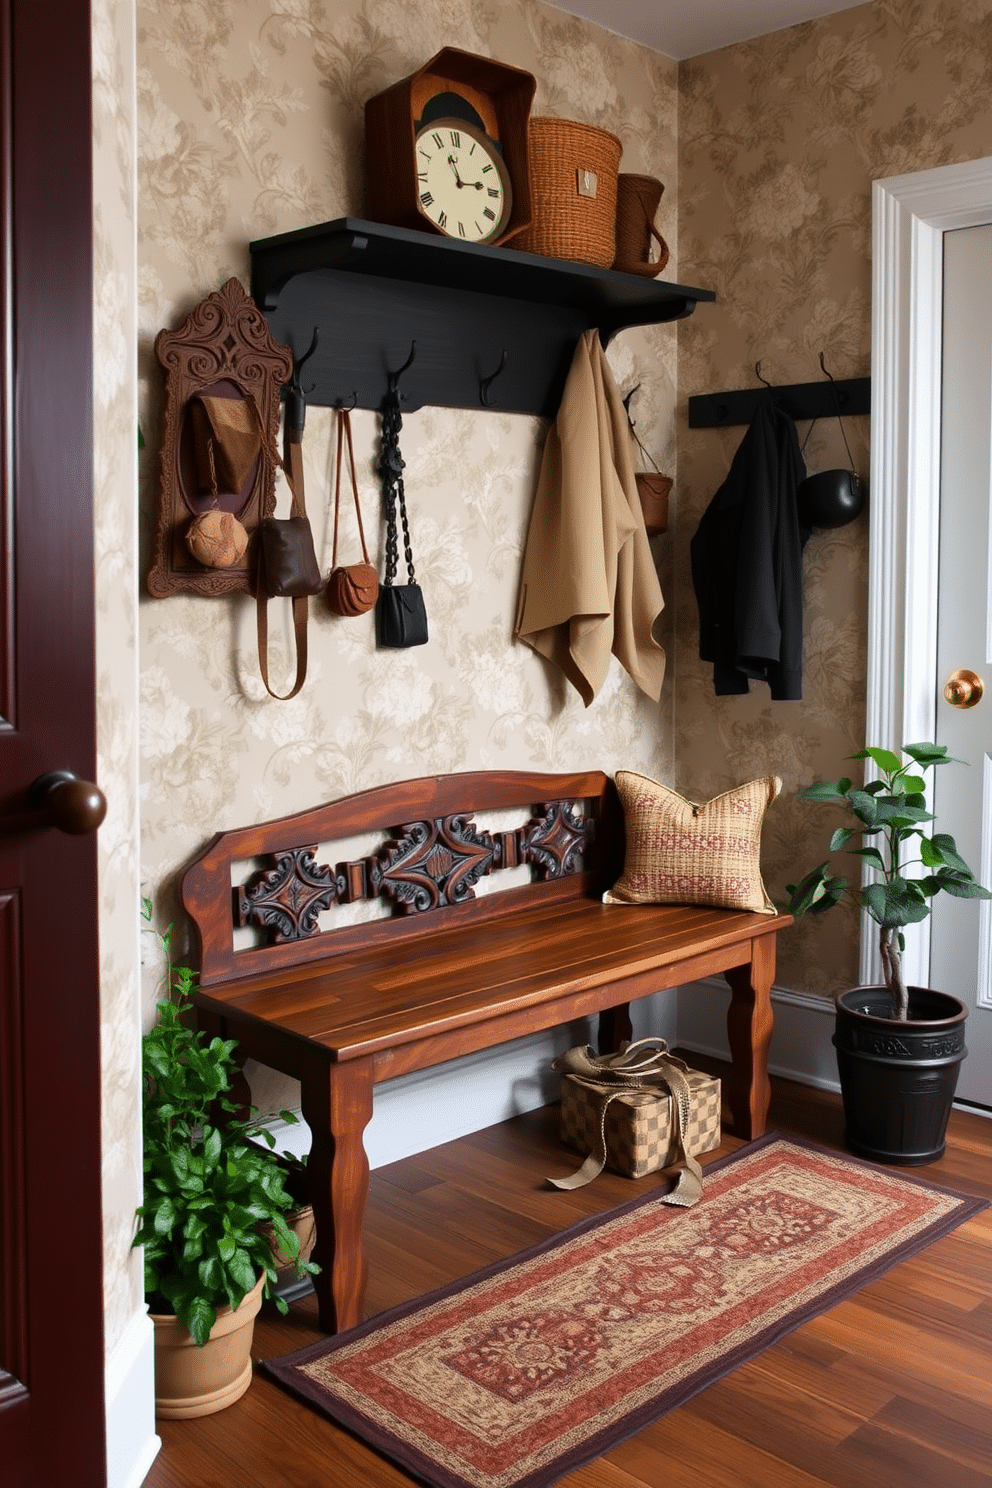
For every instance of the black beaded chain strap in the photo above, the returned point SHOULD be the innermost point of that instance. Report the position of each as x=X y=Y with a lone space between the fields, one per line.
x=400 y=614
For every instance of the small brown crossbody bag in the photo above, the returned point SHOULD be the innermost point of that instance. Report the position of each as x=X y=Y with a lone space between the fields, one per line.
x=352 y=588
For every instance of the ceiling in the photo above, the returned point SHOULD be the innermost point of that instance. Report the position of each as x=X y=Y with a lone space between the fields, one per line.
x=687 y=28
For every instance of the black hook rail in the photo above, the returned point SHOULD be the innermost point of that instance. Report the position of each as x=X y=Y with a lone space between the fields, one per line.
x=802 y=400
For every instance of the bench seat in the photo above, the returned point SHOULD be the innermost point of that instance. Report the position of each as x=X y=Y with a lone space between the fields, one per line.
x=390 y=996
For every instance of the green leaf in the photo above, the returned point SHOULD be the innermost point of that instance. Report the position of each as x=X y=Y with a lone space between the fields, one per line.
x=894 y=811
x=166 y=1216
x=884 y=759
x=826 y=790
x=929 y=754
x=242 y=1271
x=892 y=905
x=211 y=1274
x=864 y=807
x=870 y=855
x=289 y=1240
x=817 y=892
x=963 y=888
x=948 y=849
x=212 y=1145
x=842 y=837
x=914 y=785
x=197 y=1317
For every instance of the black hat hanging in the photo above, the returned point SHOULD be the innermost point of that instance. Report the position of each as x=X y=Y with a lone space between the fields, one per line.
x=400 y=614
x=830 y=498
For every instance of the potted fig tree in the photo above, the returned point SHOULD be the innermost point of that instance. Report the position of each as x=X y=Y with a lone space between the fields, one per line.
x=899 y=1048
x=208 y=1187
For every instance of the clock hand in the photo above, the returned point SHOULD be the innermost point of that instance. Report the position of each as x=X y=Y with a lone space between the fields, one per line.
x=454 y=167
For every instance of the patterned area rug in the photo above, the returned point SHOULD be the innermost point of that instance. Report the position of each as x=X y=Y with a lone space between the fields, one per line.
x=520 y=1373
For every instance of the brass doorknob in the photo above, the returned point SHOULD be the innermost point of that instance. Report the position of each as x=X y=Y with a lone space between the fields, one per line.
x=963 y=689
x=72 y=805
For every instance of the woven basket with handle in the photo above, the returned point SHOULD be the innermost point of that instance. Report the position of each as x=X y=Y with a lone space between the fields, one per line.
x=573 y=171
x=637 y=202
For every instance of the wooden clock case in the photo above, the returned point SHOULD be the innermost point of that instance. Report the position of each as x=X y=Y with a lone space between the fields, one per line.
x=501 y=96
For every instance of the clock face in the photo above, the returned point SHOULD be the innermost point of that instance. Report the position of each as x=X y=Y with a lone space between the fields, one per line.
x=462 y=184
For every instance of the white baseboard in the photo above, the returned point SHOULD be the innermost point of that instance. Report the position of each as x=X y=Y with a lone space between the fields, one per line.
x=129 y=1381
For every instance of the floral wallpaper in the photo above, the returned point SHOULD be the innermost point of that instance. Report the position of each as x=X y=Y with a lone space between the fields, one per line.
x=251 y=121
x=779 y=141
x=115 y=555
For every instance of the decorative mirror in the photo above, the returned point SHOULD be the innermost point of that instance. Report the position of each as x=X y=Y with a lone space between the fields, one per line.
x=223 y=379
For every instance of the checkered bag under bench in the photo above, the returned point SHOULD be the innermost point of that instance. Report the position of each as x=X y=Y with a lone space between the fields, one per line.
x=623 y=1110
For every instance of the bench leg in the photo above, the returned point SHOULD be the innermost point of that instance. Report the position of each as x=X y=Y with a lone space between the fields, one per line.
x=337 y=1107
x=614 y=1028
x=749 y=1031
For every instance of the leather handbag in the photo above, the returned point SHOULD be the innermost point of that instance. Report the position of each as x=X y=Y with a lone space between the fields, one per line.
x=287 y=566
x=289 y=562
x=353 y=588
x=400 y=616
x=637 y=1112
x=400 y=612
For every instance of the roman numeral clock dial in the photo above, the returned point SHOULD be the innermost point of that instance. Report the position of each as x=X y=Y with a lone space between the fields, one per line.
x=463 y=187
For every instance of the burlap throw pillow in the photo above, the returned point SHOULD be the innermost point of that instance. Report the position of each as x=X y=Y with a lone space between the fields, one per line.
x=680 y=853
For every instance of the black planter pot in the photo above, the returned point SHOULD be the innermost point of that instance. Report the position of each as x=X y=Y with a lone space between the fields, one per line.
x=898 y=1079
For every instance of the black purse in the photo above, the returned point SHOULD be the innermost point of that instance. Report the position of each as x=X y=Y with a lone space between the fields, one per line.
x=400 y=613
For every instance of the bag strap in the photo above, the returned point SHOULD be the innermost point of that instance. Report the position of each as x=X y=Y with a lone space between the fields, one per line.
x=391 y=471
x=840 y=420
x=643 y=1067
x=344 y=430
x=292 y=467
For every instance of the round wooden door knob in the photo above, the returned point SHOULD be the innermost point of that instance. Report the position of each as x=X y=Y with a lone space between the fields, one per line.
x=74 y=806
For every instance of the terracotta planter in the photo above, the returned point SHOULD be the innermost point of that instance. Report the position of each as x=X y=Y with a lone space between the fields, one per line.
x=191 y=1381
x=898 y=1079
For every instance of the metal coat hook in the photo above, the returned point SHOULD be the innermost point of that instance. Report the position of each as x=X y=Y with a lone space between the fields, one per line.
x=296 y=394
x=757 y=373
x=394 y=377
x=627 y=400
x=485 y=383
x=840 y=397
x=343 y=407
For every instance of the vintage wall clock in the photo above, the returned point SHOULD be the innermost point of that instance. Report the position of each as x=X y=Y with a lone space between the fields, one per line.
x=446 y=149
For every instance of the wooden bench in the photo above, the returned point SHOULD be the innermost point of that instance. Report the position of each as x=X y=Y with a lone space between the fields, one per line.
x=448 y=970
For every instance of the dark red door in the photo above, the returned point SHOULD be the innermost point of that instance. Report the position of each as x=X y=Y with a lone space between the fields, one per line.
x=51 y=1335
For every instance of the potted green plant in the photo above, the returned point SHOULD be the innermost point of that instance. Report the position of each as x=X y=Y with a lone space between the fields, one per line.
x=208 y=1187
x=899 y=1048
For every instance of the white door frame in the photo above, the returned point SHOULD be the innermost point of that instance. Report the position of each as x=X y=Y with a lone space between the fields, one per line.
x=910 y=216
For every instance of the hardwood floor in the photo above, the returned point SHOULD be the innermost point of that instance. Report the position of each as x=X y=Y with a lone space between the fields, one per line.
x=892 y=1388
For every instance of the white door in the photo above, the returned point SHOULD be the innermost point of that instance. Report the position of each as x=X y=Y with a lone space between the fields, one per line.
x=961 y=937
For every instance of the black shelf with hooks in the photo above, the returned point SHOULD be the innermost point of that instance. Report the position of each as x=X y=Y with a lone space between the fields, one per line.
x=492 y=327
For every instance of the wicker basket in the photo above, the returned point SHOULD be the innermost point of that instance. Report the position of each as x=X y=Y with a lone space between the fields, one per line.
x=637 y=202
x=573 y=177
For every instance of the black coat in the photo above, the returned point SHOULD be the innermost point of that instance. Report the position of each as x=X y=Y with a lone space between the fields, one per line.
x=747 y=564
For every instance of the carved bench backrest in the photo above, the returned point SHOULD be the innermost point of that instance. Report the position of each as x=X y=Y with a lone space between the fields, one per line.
x=426 y=867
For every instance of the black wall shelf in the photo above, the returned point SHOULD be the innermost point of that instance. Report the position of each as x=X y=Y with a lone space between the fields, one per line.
x=802 y=400
x=371 y=291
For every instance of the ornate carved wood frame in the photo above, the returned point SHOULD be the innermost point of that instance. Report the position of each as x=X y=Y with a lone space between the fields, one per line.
x=423 y=865
x=223 y=349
